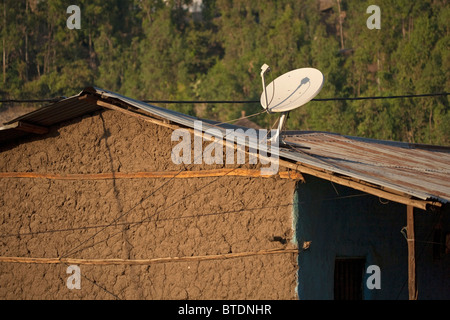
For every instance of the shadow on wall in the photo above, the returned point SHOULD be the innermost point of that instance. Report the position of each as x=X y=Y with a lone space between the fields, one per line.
x=347 y=231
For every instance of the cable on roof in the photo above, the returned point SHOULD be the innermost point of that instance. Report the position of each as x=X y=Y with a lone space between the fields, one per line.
x=316 y=99
x=245 y=101
x=32 y=100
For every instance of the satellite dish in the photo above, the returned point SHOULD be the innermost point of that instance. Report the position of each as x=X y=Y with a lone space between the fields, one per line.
x=290 y=91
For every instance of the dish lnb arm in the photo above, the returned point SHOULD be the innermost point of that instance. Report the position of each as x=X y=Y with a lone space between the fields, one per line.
x=265 y=68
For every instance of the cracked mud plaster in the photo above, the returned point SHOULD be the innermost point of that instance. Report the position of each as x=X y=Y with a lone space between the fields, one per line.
x=185 y=217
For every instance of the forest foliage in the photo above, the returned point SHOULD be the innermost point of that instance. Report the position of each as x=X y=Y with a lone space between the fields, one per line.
x=160 y=50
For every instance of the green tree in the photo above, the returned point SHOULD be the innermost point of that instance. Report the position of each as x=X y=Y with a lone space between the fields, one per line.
x=155 y=49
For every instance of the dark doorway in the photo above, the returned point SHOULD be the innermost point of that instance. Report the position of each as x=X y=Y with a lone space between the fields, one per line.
x=348 y=278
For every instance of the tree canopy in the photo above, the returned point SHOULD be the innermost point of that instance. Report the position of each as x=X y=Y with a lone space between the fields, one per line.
x=162 y=50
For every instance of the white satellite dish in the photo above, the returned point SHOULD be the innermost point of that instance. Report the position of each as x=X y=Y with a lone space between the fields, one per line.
x=290 y=91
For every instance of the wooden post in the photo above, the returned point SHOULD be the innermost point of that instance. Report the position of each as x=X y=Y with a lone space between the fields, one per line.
x=412 y=286
x=146 y=261
x=253 y=173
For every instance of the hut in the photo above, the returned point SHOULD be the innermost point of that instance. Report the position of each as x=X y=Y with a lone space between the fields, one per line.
x=95 y=207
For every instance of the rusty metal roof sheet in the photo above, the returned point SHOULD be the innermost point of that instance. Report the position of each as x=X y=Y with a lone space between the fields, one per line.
x=418 y=170
x=60 y=111
x=421 y=171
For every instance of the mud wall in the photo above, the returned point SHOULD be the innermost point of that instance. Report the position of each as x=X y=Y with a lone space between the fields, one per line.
x=137 y=219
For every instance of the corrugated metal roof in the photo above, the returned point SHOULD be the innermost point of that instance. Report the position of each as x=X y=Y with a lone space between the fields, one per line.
x=399 y=166
x=423 y=173
x=417 y=170
x=60 y=111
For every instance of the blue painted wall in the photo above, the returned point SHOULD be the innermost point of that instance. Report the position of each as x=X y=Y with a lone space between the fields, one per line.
x=343 y=222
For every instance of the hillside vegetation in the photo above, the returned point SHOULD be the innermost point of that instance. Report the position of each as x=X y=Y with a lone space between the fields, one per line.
x=154 y=50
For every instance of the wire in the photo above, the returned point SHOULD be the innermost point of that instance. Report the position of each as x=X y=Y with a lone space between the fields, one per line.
x=122 y=215
x=315 y=99
x=148 y=220
x=157 y=211
x=245 y=101
x=387 y=97
x=245 y=117
x=31 y=100
x=139 y=203
x=151 y=216
x=94 y=282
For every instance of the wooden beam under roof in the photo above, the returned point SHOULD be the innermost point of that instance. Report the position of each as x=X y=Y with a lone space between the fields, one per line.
x=27 y=127
x=362 y=186
x=180 y=174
